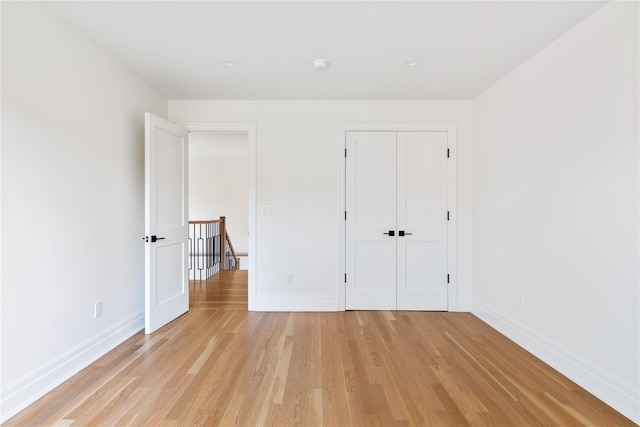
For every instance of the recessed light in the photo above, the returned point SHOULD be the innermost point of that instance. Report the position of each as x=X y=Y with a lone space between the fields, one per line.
x=412 y=63
x=229 y=63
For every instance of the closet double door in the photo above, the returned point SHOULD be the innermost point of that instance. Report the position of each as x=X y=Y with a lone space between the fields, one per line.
x=396 y=221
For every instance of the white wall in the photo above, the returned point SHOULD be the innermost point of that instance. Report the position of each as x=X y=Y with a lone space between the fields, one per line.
x=555 y=185
x=297 y=174
x=72 y=202
x=219 y=182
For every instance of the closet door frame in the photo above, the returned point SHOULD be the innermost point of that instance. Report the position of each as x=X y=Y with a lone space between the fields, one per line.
x=450 y=129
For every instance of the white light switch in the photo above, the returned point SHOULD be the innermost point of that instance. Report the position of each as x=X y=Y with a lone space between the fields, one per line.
x=266 y=210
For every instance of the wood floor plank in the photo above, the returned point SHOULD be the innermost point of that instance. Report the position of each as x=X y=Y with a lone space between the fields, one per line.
x=221 y=365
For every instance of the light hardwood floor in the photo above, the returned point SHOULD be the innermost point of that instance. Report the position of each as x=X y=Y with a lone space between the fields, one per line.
x=221 y=365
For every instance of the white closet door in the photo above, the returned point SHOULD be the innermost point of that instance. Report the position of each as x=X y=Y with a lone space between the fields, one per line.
x=371 y=212
x=422 y=218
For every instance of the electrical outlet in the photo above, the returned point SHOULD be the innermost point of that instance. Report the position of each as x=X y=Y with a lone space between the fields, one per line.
x=97 y=309
x=290 y=279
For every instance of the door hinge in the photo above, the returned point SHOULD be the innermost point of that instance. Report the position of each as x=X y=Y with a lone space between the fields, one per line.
x=345 y=153
x=345 y=215
x=447 y=153
x=345 y=277
x=447 y=215
x=447 y=278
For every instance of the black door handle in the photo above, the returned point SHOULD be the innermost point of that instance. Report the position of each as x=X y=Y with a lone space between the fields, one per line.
x=153 y=238
x=401 y=233
x=390 y=233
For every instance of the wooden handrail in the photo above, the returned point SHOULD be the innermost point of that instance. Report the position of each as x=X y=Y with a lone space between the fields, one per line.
x=224 y=238
x=233 y=253
x=209 y=221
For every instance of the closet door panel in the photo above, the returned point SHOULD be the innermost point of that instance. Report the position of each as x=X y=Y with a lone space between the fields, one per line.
x=422 y=216
x=371 y=212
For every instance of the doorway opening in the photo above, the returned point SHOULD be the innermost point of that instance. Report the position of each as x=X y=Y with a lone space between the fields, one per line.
x=218 y=219
x=227 y=146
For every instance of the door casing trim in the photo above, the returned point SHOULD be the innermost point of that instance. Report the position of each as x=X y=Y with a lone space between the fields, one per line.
x=452 y=199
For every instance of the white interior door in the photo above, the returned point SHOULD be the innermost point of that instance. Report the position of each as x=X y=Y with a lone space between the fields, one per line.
x=166 y=222
x=396 y=224
x=422 y=221
x=371 y=212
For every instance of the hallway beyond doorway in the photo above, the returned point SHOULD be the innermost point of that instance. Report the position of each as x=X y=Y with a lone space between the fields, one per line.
x=225 y=290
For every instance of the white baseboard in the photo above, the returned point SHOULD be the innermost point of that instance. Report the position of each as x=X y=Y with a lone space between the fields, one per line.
x=321 y=304
x=612 y=390
x=295 y=304
x=24 y=391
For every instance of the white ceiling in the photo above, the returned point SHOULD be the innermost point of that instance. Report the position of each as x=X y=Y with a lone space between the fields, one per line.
x=179 y=47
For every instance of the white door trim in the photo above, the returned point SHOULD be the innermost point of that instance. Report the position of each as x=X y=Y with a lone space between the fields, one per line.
x=451 y=130
x=250 y=129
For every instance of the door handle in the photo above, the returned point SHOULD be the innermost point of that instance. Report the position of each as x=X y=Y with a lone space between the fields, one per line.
x=390 y=233
x=153 y=238
x=402 y=233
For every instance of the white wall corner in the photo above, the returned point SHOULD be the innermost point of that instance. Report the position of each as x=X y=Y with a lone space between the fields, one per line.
x=612 y=390
x=464 y=304
x=26 y=390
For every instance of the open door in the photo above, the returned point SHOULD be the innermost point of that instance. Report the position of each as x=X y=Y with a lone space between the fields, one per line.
x=166 y=222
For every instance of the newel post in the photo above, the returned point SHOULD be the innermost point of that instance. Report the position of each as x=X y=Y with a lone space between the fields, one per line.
x=223 y=243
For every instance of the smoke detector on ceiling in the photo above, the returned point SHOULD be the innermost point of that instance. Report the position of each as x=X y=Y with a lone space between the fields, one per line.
x=320 y=64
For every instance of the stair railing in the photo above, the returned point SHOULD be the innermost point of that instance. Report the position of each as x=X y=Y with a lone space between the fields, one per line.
x=210 y=249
